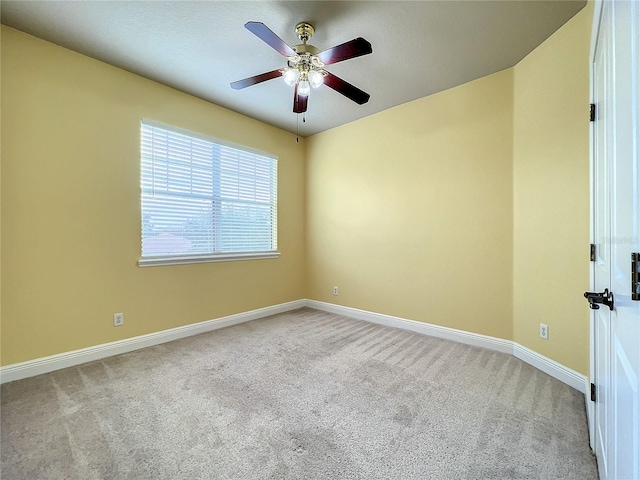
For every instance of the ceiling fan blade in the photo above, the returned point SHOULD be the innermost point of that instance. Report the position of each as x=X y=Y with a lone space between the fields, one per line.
x=352 y=49
x=261 y=31
x=247 y=82
x=299 y=102
x=346 y=89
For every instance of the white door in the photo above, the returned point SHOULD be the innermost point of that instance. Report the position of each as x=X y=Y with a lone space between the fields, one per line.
x=616 y=233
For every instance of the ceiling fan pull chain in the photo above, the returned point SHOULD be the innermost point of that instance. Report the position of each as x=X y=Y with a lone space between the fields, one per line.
x=297 y=128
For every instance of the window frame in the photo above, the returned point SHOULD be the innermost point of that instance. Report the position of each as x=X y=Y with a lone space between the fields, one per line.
x=182 y=259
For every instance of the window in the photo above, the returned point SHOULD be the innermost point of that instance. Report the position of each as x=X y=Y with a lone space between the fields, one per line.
x=204 y=200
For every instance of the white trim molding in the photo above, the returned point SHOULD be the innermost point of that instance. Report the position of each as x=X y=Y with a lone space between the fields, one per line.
x=160 y=261
x=548 y=366
x=460 y=336
x=551 y=367
x=31 y=368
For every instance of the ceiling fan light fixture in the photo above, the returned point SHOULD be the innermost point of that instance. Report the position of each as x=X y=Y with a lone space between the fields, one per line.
x=304 y=89
x=291 y=76
x=305 y=64
x=315 y=78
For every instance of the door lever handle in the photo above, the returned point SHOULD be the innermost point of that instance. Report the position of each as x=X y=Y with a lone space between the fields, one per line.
x=594 y=298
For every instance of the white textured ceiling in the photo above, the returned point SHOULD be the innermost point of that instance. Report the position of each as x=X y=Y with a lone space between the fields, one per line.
x=199 y=47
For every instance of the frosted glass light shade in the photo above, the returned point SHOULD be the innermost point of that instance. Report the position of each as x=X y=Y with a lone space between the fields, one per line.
x=304 y=88
x=315 y=78
x=291 y=76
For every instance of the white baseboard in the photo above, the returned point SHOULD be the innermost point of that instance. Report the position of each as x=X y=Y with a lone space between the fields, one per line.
x=551 y=367
x=18 y=371
x=42 y=365
x=460 y=336
x=548 y=366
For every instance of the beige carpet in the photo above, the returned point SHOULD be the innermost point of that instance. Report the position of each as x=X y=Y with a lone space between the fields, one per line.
x=304 y=395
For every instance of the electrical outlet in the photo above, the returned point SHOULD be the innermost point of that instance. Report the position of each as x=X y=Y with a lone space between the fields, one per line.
x=335 y=290
x=544 y=331
x=118 y=319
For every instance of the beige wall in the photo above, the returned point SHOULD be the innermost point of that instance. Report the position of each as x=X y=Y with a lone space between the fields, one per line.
x=551 y=195
x=70 y=207
x=409 y=211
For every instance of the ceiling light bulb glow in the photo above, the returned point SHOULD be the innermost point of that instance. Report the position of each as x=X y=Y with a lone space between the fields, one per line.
x=315 y=78
x=291 y=76
x=303 y=88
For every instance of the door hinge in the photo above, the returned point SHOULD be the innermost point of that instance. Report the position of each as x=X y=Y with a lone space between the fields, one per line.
x=635 y=276
x=593 y=392
x=592 y=112
x=592 y=252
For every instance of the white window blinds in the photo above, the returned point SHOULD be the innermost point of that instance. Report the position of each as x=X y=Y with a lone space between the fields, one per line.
x=201 y=197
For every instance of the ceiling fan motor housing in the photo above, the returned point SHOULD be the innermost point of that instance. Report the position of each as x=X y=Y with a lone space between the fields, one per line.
x=305 y=48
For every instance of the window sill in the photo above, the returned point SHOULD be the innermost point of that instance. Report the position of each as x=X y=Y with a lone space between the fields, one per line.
x=207 y=258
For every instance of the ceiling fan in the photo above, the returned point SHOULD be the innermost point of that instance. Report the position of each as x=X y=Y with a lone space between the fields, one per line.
x=305 y=65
